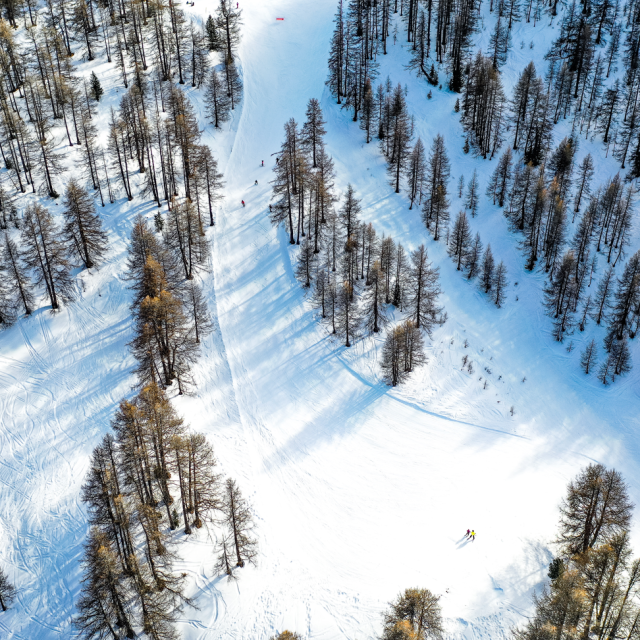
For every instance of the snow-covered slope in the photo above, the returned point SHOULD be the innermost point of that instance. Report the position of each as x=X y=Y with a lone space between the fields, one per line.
x=359 y=490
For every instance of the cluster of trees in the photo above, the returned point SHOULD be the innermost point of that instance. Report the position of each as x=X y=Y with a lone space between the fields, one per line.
x=169 y=310
x=45 y=252
x=353 y=274
x=593 y=591
x=538 y=203
x=150 y=45
x=147 y=477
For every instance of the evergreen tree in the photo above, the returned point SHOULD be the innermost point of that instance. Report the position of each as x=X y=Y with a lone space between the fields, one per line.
x=228 y=21
x=96 y=87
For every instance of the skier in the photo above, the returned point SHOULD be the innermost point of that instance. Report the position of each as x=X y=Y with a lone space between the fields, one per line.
x=256 y=182
x=467 y=534
x=263 y=163
x=473 y=536
x=243 y=203
x=269 y=208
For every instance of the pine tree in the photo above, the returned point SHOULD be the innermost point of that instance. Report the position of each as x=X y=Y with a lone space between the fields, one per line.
x=589 y=357
x=82 y=231
x=471 y=202
x=239 y=521
x=7 y=591
x=500 y=283
x=45 y=254
x=459 y=240
x=212 y=34
x=424 y=289
x=96 y=87
x=487 y=270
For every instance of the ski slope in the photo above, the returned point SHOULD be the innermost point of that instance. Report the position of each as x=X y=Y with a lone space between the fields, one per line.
x=359 y=491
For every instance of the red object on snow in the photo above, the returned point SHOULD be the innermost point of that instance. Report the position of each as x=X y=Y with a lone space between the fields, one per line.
x=279 y=18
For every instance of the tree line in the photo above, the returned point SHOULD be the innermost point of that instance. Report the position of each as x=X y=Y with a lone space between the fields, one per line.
x=151 y=474
x=593 y=585
x=353 y=275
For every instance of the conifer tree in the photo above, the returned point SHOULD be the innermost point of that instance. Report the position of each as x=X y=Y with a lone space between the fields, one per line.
x=416 y=173
x=96 y=87
x=16 y=277
x=196 y=304
x=473 y=258
x=501 y=179
x=424 y=289
x=435 y=209
x=471 y=202
x=585 y=173
x=237 y=517
x=418 y=612
x=313 y=130
x=234 y=83
x=459 y=240
x=83 y=228
x=603 y=296
x=45 y=255
x=373 y=309
x=217 y=99
x=626 y=298
x=500 y=283
x=487 y=270
x=349 y=213
x=588 y=358
x=347 y=316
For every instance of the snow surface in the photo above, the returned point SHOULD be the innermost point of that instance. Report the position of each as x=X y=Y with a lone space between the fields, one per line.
x=359 y=491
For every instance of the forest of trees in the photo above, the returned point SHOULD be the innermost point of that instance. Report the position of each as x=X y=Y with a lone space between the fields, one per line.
x=151 y=475
x=153 y=148
x=353 y=275
x=593 y=588
x=563 y=224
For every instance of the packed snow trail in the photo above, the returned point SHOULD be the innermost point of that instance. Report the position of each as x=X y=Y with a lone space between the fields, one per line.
x=359 y=491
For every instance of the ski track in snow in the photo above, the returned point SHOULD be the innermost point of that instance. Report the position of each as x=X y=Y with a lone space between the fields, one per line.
x=359 y=491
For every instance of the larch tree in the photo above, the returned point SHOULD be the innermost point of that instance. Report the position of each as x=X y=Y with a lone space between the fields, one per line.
x=239 y=521
x=460 y=240
x=7 y=591
x=82 y=230
x=16 y=277
x=45 y=254
x=424 y=289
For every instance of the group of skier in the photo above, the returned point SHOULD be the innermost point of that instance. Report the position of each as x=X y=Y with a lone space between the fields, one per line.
x=470 y=535
x=256 y=184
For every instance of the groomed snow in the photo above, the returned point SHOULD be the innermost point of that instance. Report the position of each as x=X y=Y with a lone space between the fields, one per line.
x=359 y=491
